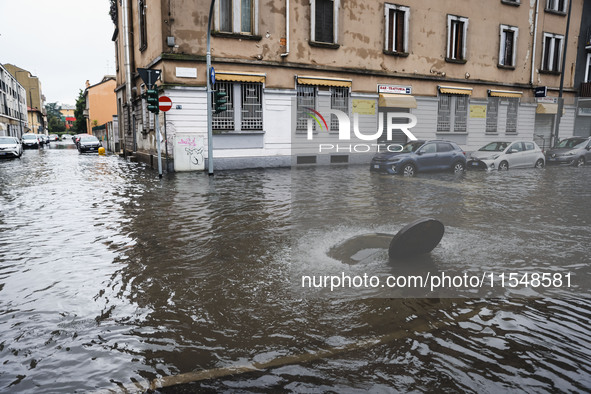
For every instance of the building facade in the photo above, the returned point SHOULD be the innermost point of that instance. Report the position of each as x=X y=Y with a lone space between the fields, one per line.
x=583 y=75
x=13 y=105
x=37 y=115
x=100 y=102
x=467 y=70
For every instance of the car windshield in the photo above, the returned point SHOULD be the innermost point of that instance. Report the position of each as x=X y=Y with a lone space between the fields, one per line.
x=29 y=137
x=494 y=147
x=571 y=143
x=7 y=140
x=88 y=138
x=412 y=146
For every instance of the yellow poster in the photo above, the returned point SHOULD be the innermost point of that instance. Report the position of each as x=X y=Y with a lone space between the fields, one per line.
x=478 y=111
x=364 y=107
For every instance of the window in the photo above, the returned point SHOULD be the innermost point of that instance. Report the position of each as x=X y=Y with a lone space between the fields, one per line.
x=588 y=69
x=556 y=5
x=452 y=113
x=323 y=21
x=457 y=28
x=141 y=6
x=339 y=99
x=511 y=2
x=492 y=114
x=237 y=16
x=306 y=98
x=552 y=52
x=244 y=107
x=396 y=28
x=512 y=111
x=444 y=147
x=508 y=45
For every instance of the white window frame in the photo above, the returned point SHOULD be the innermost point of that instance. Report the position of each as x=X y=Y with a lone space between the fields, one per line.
x=502 y=41
x=451 y=18
x=335 y=21
x=406 y=10
x=237 y=17
x=552 y=5
x=588 y=68
x=553 y=37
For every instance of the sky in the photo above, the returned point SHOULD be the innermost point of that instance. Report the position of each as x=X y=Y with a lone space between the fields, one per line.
x=63 y=42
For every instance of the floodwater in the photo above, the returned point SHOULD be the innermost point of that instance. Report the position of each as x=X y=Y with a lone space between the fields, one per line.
x=112 y=279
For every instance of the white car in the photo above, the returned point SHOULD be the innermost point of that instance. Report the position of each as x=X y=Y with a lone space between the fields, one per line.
x=30 y=141
x=10 y=147
x=503 y=155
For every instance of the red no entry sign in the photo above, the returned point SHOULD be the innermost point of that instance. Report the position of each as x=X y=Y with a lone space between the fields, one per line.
x=164 y=103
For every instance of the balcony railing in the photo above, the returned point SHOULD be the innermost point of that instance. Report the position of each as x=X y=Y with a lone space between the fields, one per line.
x=585 y=89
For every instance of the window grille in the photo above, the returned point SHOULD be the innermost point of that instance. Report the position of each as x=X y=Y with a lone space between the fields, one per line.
x=306 y=98
x=512 y=111
x=461 y=114
x=444 y=113
x=492 y=114
x=252 y=106
x=339 y=99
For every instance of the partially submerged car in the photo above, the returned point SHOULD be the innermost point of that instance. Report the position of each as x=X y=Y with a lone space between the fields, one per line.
x=88 y=143
x=420 y=156
x=30 y=141
x=574 y=151
x=10 y=147
x=502 y=155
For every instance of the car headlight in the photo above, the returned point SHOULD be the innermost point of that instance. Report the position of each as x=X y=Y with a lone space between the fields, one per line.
x=495 y=157
x=571 y=153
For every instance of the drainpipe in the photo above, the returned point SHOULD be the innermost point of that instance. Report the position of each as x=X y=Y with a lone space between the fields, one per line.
x=560 y=99
x=286 y=29
x=533 y=56
x=127 y=65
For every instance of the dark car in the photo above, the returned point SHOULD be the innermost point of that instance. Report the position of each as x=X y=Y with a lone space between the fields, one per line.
x=88 y=143
x=421 y=156
x=76 y=137
x=574 y=151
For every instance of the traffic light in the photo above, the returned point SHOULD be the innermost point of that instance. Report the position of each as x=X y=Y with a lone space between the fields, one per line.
x=220 y=101
x=152 y=99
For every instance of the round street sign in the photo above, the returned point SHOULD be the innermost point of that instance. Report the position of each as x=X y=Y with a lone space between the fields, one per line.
x=164 y=103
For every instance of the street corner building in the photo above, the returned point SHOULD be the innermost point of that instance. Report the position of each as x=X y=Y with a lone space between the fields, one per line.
x=471 y=72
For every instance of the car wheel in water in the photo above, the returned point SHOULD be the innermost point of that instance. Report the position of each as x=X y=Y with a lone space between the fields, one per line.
x=580 y=162
x=408 y=170
x=539 y=163
x=503 y=166
x=458 y=167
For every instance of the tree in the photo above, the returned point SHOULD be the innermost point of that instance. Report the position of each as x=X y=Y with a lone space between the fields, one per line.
x=55 y=121
x=80 y=123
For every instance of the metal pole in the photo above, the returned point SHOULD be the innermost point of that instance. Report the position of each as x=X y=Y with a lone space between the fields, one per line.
x=209 y=91
x=560 y=99
x=158 y=144
x=166 y=142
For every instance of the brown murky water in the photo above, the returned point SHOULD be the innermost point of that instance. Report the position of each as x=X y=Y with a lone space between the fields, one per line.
x=111 y=278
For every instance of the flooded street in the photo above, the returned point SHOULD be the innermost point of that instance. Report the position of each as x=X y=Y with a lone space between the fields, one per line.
x=111 y=278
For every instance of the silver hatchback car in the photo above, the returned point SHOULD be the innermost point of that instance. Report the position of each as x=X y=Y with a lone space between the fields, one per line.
x=503 y=155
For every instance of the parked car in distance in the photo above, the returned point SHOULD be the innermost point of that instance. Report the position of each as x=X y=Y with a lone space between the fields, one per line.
x=10 y=147
x=30 y=141
x=76 y=137
x=53 y=138
x=503 y=155
x=574 y=151
x=421 y=156
x=88 y=143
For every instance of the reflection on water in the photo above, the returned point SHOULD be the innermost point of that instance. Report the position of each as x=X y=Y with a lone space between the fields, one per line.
x=110 y=278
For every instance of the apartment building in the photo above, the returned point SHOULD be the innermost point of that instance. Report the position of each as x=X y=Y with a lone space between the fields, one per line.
x=36 y=113
x=13 y=105
x=468 y=70
x=100 y=102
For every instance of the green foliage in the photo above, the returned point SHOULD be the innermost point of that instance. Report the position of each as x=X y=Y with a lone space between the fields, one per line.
x=55 y=121
x=80 y=123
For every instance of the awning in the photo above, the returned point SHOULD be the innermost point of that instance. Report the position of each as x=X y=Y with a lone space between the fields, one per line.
x=321 y=81
x=397 y=100
x=547 y=108
x=239 y=77
x=504 y=93
x=455 y=90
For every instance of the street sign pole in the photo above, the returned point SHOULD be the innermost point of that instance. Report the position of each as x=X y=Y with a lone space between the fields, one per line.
x=158 y=145
x=209 y=91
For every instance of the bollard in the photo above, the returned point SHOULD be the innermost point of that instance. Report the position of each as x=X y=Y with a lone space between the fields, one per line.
x=101 y=151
